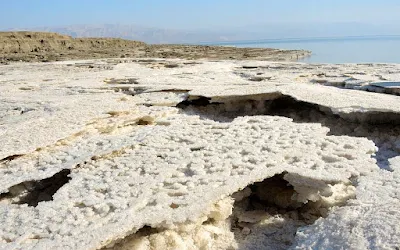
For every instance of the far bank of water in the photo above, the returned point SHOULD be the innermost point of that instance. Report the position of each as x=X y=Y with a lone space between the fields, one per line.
x=378 y=49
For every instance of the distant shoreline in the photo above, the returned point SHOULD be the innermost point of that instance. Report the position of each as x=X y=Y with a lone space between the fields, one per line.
x=306 y=39
x=45 y=47
x=343 y=49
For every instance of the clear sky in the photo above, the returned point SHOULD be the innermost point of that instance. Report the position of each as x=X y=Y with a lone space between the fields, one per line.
x=190 y=14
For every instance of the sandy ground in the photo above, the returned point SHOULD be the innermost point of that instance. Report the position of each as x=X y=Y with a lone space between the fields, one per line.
x=197 y=154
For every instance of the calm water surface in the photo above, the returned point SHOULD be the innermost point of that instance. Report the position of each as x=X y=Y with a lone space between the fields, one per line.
x=338 y=50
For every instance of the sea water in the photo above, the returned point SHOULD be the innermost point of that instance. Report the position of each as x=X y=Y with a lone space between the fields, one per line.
x=373 y=49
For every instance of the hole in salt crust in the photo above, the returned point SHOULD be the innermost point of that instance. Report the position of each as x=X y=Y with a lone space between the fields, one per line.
x=33 y=192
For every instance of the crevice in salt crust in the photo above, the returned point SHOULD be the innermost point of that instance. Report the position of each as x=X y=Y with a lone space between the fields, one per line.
x=33 y=192
x=264 y=215
x=9 y=158
x=383 y=128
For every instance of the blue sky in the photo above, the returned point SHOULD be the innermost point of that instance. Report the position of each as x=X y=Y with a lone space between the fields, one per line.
x=186 y=14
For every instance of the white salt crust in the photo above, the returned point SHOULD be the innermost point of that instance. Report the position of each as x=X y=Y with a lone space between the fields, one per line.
x=134 y=166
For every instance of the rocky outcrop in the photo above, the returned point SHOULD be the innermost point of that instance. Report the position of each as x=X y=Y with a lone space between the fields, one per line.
x=42 y=46
x=26 y=42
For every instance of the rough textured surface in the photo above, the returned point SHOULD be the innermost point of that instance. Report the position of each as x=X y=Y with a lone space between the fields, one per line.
x=369 y=222
x=175 y=154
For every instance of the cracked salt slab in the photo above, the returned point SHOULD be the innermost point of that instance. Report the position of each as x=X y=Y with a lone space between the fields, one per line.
x=107 y=192
x=101 y=137
x=366 y=221
x=103 y=173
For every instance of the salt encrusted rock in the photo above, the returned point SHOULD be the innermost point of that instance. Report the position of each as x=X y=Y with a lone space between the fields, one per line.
x=365 y=222
x=152 y=175
x=116 y=132
x=176 y=173
x=52 y=120
x=350 y=101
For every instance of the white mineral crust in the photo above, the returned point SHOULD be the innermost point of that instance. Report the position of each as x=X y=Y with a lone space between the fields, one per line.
x=147 y=174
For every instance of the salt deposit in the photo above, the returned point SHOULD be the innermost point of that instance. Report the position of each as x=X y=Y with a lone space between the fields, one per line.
x=205 y=155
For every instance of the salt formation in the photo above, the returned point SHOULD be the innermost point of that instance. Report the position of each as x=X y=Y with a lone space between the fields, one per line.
x=195 y=156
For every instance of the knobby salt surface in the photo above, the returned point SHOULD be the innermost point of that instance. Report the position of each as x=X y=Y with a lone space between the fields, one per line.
x=206 y=155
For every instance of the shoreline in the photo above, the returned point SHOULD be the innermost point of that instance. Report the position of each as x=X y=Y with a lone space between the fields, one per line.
x=47 y=47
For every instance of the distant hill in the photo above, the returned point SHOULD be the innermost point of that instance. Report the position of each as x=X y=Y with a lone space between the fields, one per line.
x=45 y=46
x=26 y=42
x=139 y=33
x=248 y=32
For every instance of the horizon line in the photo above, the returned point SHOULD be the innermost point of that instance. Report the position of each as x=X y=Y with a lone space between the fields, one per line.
x=300 y=39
